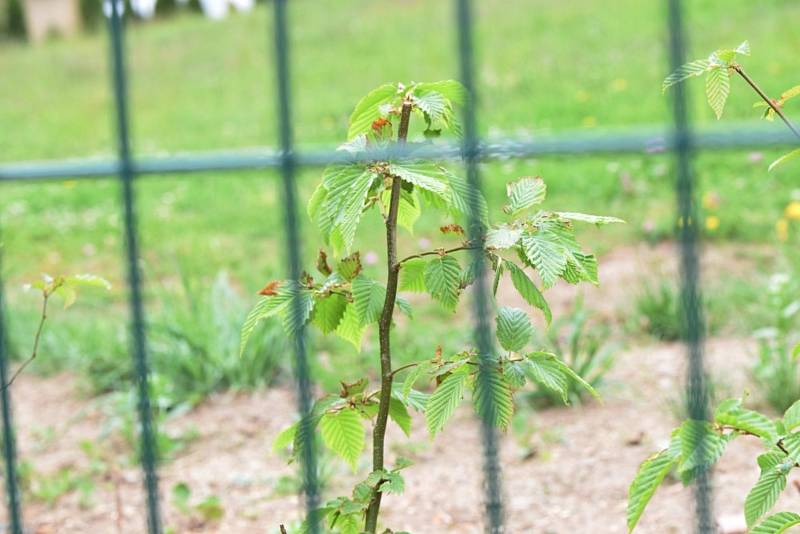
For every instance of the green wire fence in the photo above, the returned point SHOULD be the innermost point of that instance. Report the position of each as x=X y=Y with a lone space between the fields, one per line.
x=680 y=139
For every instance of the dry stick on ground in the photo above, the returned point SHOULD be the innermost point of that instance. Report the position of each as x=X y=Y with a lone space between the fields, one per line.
x=771 y=103
x=36 y=339
x=384 y=325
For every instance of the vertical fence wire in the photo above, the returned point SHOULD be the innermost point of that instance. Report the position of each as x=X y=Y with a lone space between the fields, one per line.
x=9 y=438
x=138 y=340
x=476 y=234
x=288 y=168
x=694 y=323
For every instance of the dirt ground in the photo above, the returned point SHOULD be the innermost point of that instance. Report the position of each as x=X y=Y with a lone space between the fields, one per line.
x=576 y=482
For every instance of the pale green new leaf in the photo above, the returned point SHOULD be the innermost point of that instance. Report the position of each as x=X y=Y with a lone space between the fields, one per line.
x=764 y=494
x=444 y=400
x=463 y=198
x=266 y=307
x=297 y=311
x=328 y=312
x=650 y=475
x=285 y=437
x=599 y=220
x=744 y=48
x=684 y=72
x=369 y=109
x=514 y=329
x=399 y=414
x=777 y=523
x=87 y=280
x=718 y=87
x=412 y=276
x=425 y=175
x=452 y=90
x=524 y=193
x=443 y=280
x=492 y=397
x=528 y=290
x=350 y=327
x=502 y=237
x=343 y=433
x=783 y=159
x=791 y=418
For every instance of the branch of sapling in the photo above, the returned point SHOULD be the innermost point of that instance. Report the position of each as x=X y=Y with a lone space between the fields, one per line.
x=770 y=102
x=437 y=252
x=37 y=337
x=385 y=324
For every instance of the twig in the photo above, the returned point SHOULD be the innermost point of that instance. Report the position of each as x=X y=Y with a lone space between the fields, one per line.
x=36 y=339
x=436 y=253
x=771 y=103
x=404 y=367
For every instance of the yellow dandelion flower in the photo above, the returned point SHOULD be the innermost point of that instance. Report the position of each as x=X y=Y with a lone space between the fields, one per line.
x=793 y=210
x=782 y=229
x=712 y=223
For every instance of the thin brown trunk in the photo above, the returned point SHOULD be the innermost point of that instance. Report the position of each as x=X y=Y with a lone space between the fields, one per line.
x=384 y=327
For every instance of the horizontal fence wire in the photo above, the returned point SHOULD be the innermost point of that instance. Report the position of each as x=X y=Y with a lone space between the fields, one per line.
x=691 y=301
x=628 y=141
x=148 y=448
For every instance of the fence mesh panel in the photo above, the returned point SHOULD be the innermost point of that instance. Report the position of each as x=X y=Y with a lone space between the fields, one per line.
x=681 y=139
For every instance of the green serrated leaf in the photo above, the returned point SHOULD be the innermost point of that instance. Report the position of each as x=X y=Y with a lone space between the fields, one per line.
x=349 y=267
x=791 y=444
x=718 y=87
x=777 y=523
x=544 y=251
x=701 y=447
x=528 y=290
x=368 y=297
x=514 y=329
x=443 y=280
x=543 y=369
x=425 y=175
x=264 y=308
x=684 y=72
x=591 y=219
x=525 y=193
x=764 y=495
x=492 y=397
x=343 y=432
x=736 y=417
x=649 y=476
x=444 y=400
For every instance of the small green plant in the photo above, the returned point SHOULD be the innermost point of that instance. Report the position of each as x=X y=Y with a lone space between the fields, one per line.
x=717 y=69
x=696 y=446
x=208 y=510
x=67 y=288
x=657 y=311
x=777 y=372
x=344 y=301
x=584 y=347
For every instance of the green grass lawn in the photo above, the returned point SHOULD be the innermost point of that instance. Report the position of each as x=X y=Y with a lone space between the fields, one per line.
x=545 y=67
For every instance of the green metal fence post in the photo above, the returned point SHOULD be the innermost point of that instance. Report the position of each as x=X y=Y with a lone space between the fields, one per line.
x=9 y=438
x=691 y=301
x=138 y=341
